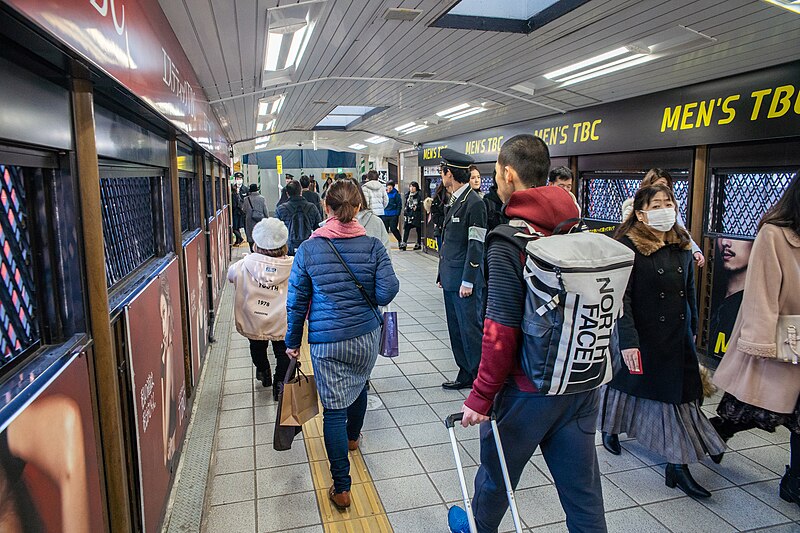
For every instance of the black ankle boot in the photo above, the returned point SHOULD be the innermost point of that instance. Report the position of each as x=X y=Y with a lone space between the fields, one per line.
x=266 y=378
x=679 y=475
x=790 y=487
x=611 y=443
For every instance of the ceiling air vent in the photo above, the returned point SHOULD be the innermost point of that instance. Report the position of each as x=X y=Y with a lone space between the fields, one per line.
x=423 y=75
x=320 y=102
x=402 y=13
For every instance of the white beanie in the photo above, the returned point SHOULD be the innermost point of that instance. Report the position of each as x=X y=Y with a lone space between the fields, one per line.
x=270 y=234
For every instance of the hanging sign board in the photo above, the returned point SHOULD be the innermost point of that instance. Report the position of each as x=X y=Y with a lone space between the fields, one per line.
x=279 y=163
x=133 y=42
x=759 y=105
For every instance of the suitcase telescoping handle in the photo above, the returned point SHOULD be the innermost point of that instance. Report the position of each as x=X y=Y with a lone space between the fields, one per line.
x=450 y=423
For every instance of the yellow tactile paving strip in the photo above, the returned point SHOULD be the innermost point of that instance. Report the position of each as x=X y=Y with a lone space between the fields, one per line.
x=366 y=512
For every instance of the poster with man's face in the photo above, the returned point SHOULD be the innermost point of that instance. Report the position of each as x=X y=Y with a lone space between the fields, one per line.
x=159 y=386
x=731 y=259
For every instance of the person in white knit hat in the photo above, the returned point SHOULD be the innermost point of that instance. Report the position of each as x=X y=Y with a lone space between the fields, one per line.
x=261 y=280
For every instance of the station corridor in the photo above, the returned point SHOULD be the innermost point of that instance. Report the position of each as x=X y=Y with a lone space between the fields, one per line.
x=230 y=479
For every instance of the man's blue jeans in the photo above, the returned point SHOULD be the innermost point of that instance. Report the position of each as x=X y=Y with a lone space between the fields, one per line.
x=564 y=426
x=339 y=426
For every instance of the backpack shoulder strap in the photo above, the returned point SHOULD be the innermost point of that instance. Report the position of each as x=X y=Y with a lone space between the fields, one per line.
x=517 y=231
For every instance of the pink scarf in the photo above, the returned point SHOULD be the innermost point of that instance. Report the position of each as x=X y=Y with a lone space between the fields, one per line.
x=335 y=229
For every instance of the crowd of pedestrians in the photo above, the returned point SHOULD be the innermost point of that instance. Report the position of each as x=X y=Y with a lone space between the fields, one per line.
x=323 y=264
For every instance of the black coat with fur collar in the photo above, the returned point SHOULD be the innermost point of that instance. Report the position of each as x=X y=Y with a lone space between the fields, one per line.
x=660 y=318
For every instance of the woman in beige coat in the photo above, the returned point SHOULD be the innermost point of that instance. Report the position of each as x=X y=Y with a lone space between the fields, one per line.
x=761 y=390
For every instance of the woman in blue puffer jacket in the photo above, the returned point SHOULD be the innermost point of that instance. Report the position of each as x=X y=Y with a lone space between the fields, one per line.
x=343 y=328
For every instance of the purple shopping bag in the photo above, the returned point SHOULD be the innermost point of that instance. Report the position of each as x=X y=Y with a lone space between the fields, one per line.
x=390 y=343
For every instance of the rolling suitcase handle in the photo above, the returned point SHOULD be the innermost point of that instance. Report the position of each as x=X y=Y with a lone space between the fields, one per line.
x=450 y=423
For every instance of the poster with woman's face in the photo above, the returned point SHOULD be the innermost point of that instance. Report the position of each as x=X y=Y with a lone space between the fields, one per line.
x=49 y=475
x=213 y=253
x=731 y=258
x=155 y=346
x=194 y=252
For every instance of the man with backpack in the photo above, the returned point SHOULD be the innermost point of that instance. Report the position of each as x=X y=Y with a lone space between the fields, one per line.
x=255 y=208
x=299 y=215
x=537 y=398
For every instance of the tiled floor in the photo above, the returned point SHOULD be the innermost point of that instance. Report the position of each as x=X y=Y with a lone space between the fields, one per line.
x=408 y=456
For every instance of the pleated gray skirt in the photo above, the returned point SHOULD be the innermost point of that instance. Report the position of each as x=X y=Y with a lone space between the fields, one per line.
x=681 y=434
x=341 y=369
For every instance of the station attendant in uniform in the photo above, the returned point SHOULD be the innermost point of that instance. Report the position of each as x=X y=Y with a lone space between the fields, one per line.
x=461 y=267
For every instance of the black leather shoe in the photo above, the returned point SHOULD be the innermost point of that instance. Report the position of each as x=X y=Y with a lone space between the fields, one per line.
x=456 y=385
x=790 y=487
x=611 y=443
x=679 y=475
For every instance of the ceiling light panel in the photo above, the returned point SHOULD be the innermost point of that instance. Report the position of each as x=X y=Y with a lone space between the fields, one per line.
x=586 y=63
x=791 y=5
x=609 y=70
x=289 y=30
x=376 y=139
x=452 y=110
x=405 y=126
x=467 y=113
x=357 y=146
x=415 y=129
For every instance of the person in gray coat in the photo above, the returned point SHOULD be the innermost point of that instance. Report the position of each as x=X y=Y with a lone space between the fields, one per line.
x=255 y=208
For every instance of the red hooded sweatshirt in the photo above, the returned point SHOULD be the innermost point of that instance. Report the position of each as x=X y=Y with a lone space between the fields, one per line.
x=543 y=208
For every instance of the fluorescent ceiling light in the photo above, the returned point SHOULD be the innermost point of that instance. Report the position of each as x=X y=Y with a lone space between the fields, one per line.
x=600 y=67
x=405 y=126
x=274 y=41
x=609 y=70
x=467 y=113
x=357 y=146
x=270 y=105
x=791 y=5
x=289 y=30
x=260 y=126
x=586 y=62
x=415 y=129
x=297 y=41
x=376 y=139
x=452 y=110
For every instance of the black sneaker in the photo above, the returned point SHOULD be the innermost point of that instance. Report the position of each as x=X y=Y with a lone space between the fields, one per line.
x=418 y=247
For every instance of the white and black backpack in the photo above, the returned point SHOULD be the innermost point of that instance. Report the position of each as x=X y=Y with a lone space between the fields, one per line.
x=576 y=283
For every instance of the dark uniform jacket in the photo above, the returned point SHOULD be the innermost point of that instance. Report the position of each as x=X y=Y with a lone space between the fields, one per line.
x=463 y=237
x=660 y=319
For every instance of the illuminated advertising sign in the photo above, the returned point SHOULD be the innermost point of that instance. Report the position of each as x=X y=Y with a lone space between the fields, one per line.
x=758 y=105
x=132 y=41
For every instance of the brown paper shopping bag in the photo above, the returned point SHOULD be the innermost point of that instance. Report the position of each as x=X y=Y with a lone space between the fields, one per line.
x=299 y=403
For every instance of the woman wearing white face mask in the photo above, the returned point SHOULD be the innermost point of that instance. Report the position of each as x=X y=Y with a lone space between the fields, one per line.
x=657 y=176
x=654 y=395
